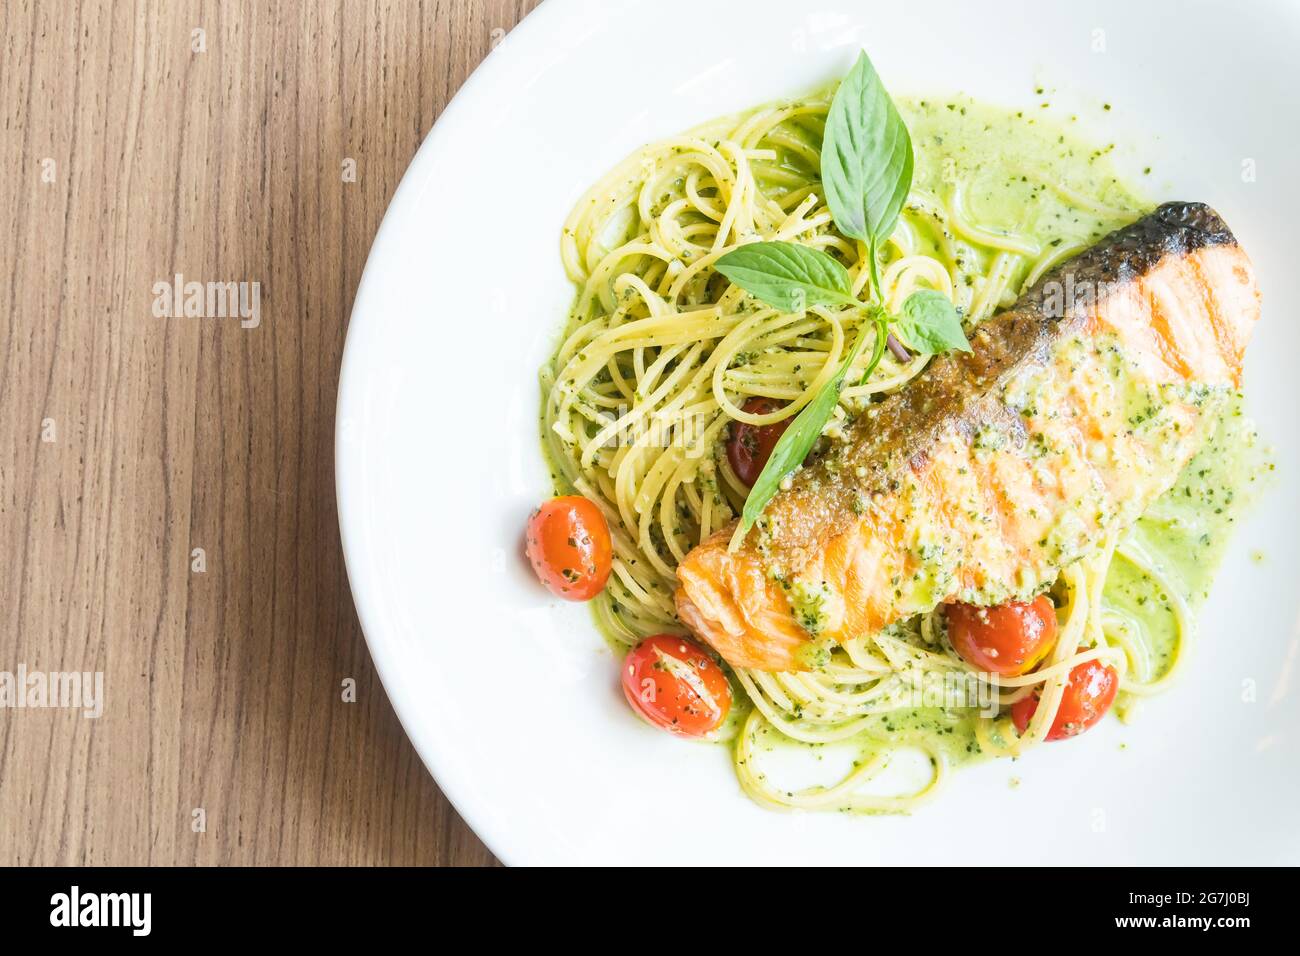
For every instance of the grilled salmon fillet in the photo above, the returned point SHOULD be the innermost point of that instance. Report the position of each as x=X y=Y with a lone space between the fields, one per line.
x=991 y=471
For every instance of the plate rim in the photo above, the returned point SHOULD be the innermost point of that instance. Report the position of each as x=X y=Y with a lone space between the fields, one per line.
x=398 y=209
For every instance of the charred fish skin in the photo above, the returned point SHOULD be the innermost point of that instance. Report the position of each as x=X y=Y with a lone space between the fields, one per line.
x=891 y=437
x=993 y=470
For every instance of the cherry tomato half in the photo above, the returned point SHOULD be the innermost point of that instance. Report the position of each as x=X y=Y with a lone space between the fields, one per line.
x=1088 y=695
x=1008 y=639
x=672 y=683
x=750 y=446
x=568 y=544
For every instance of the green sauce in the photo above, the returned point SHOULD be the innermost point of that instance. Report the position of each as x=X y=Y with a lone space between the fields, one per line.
x=1018 y=172
x=1026 y=174
x=1186 y=532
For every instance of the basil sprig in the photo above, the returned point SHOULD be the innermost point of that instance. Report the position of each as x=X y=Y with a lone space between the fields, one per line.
x=866 y=160
x=866 y=172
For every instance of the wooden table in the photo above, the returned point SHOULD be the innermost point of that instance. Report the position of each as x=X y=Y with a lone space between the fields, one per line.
x=222 y=141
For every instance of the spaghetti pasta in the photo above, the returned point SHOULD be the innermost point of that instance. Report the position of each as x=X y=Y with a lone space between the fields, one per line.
x=660 y=354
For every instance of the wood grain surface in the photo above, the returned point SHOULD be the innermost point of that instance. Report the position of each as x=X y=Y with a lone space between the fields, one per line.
x=139 y=140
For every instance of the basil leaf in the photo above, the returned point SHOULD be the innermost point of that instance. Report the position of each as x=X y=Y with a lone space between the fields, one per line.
x=866 y=157
x=930 y=323
x=796 y=441
x=787 y=276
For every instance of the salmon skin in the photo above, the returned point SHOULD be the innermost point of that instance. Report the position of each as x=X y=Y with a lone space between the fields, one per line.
x=991 y=471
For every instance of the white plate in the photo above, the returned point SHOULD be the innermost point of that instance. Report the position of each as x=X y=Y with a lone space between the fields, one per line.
x=511 y=697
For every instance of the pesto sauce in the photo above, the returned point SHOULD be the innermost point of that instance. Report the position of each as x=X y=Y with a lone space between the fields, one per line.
x=951 y=732
x=1186 y=531
x=1009 y=161
x=1018 y=172
x=1022 y=172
